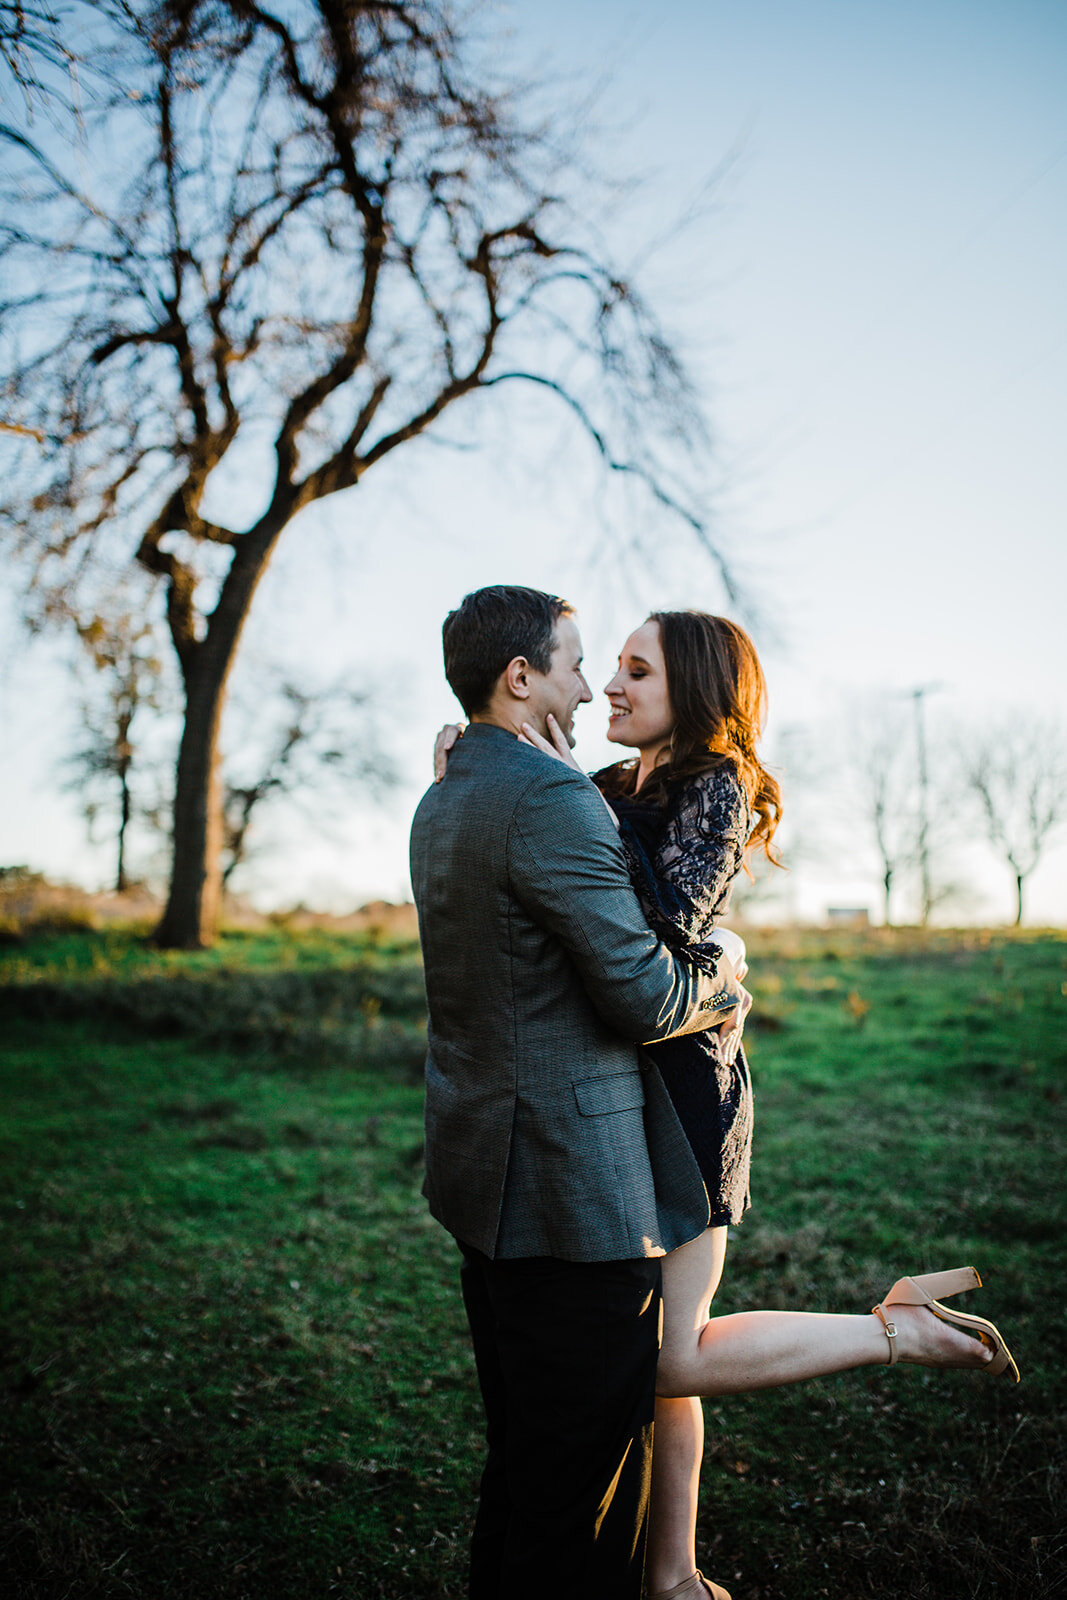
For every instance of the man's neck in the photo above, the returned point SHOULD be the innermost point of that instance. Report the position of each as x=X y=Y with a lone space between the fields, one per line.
x=498 y=717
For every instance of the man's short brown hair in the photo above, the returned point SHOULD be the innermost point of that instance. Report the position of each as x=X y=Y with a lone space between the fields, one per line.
x=488 y=629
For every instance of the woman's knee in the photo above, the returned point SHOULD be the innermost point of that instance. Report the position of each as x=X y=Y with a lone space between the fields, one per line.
x=673 y=1377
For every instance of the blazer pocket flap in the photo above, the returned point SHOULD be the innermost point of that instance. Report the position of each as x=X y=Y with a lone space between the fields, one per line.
x=623 y=1091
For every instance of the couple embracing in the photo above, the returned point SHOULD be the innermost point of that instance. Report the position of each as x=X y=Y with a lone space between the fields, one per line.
x=588 y=1105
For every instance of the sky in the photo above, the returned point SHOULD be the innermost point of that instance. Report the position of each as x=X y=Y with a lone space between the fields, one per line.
x=873 y=309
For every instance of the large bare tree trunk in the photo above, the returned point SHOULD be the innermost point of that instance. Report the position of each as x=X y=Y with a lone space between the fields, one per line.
x=125 y=762
x=121 y=883
x=1018 y=899
x=191 y=918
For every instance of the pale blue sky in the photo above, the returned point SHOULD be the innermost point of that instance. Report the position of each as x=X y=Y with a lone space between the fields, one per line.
x=875 y=310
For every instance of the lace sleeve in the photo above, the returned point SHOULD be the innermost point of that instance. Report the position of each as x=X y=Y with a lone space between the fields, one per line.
x=703 y=846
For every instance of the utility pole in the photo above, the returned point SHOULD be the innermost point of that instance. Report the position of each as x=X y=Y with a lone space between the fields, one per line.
x=923 y=840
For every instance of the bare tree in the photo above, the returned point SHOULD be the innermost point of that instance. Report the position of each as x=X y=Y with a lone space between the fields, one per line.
x=323 y=742
x=311 y=746
x=898 y=798
x=124 y=651
x=1018 y=775
x=929 y=895
x=861 y=776
x=311 y=230
x=884 y=788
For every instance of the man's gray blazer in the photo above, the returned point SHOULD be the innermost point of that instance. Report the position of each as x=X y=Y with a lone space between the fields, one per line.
x=547 y=1134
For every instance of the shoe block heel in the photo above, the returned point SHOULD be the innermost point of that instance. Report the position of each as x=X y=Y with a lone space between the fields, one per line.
x=926 y=1286
x=956 y=1281
x=923 y=1289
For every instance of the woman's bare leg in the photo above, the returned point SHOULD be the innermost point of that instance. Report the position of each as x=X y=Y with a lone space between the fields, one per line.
x=762 y=1349
x=751 y=1350
x=677 y=1453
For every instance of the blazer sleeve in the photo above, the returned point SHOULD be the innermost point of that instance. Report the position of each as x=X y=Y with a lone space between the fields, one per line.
x=568 y=871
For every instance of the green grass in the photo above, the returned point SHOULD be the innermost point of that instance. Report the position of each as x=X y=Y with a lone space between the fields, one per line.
x=315 y=997
x=233 y=1357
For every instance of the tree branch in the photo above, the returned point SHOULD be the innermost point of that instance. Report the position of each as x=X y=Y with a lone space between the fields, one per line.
x=626 y=468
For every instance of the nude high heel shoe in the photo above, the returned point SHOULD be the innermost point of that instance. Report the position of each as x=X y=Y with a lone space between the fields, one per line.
x=920 y=1291
x=696 y=1585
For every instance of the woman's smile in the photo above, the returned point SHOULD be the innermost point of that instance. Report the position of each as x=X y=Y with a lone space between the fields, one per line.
x=641 y=714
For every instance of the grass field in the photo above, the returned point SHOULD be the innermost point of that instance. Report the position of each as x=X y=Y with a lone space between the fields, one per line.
x=233 y=1356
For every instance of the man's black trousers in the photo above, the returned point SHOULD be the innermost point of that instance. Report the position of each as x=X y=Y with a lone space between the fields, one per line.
x=566 y=1356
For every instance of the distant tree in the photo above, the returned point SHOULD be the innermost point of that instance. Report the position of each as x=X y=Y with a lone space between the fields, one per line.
x=884 y=784
x=1018 y=775
x=899 y=800
x=316 y=743
x=310 y=230
x=127 y=687
x=314 y=747
x=930 y=891
x=859 y=783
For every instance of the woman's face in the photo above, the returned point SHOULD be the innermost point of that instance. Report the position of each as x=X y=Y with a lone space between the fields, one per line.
x=641 y=713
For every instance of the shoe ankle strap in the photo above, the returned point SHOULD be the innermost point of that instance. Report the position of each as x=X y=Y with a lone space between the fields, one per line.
x=890 y=1333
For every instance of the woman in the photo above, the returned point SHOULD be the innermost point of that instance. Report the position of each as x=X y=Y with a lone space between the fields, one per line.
x=689 y=698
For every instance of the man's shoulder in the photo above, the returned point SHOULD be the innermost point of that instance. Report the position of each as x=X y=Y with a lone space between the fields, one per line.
x=502 y=777
x=557 y=805
x=492 y=758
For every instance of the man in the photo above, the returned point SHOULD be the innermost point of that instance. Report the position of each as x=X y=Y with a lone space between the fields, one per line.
x=552 y=1155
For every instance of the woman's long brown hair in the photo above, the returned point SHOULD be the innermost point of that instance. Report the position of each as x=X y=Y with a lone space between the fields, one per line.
x=719 y=698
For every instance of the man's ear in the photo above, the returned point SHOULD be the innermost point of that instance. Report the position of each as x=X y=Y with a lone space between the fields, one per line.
x=517 y=678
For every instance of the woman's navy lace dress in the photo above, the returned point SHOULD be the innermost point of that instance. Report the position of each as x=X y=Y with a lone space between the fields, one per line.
x=683 y=858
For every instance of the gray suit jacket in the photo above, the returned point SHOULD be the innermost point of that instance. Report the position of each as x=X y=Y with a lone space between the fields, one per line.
x=547 y=1134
